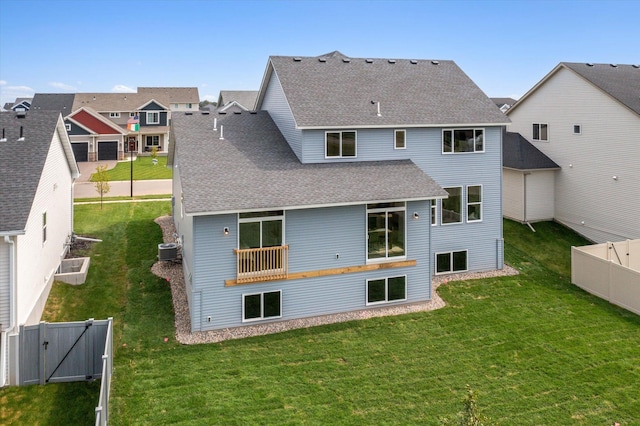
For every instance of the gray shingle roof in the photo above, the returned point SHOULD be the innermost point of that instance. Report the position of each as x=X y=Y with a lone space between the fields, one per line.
x=22 y=163
x=128 y=102
x=246 y=98
x=62 y=102
x=518 y=153
x=336 y=91
x=622 y=82
x=502 y=101
x=254 y=168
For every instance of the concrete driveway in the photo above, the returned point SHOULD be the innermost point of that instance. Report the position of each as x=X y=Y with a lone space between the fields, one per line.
x=83 y=188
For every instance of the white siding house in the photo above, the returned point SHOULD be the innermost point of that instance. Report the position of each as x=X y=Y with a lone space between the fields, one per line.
x=586 y=118
x=36 y=222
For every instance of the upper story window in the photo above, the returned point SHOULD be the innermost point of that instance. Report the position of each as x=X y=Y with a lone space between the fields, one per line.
x=386 y=230
x=175 y=106
x=44 y=227
x=153 y=117
x=189 y=106
x=455 y=141
x=474 y=203
x=114 y=115
x=577 y=129
x=540 y=132
x=399 y=139
x=261 y=229
x=132 y=114
x=451 y=211
x=340 y=144
x=67 y=127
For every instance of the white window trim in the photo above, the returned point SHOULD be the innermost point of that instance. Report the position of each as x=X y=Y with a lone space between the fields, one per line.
x=67 y=127
x=341 y=132
x=435 y=262
x=114 y=115
x=462 y=205
x=132 y=114
x=481 y=203
x=574 y=129
x=540 y=132
x=453 y=152
x=262 y=317
x=433 y=212
x=386 y=210
x=395 y=142
x=146 y=143
x=261 y=219
x=386 y=288
x=151 y=113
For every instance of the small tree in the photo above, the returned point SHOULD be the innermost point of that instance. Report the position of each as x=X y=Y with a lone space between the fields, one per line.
x=101 y=181
x=471 y=415
x=154 y=155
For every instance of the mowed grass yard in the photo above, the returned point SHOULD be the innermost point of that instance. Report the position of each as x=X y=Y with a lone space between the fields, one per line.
x=535 y=349
x=143 y=169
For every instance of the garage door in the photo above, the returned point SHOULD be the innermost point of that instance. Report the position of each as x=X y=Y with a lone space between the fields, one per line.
x=107 y=150
x=80 y=151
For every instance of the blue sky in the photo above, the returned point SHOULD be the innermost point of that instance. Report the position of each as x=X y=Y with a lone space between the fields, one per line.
x=56 y=46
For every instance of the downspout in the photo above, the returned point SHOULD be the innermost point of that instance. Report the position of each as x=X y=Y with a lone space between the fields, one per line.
x=4 y=359
x=525 y=174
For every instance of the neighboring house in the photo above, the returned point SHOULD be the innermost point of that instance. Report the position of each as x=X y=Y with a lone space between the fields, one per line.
x=586 y=118
x=21 y=104
x=528 y=178
x=94 y=137
x=36 y=220
x=504 y=103
x=237 y=100
x=354 y=182
x=61 y=102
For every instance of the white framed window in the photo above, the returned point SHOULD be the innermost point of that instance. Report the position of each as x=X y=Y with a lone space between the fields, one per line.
x=340 y=144
x=577 y=129
x=451 y=261
x=458 y=141
x=114 y=115
x=153 y=140
x=474 y=203
x=261 y=306
x=386 y=231
x=132 y=114
x=451 y=208
x=540 y=132
x=189 y=106
x=153 y=117
x=385 y=290
x=260 y=229
x=67 y=127
x=434 y=212
x=400 y=139
x=175 y=106
x=44 y=227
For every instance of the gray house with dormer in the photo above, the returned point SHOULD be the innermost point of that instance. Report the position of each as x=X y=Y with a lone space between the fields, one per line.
x=354 y=182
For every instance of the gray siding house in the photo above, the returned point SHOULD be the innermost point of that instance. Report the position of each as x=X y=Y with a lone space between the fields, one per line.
x=354 y=182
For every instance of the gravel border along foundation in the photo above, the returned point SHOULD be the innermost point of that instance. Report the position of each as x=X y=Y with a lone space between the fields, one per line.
x=172 y=272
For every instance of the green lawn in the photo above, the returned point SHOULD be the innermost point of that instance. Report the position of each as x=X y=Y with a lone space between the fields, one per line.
x=143 y=169
x=535 y=349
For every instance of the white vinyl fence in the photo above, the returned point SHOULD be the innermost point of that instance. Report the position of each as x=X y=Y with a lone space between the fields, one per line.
x=102 y=410
x=611 y=271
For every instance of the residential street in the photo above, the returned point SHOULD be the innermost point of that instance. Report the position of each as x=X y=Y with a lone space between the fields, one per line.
x=85 y=189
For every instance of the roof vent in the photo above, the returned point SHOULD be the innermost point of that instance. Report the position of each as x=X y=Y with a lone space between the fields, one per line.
x=21 y=138
x=392 y=61
x=297 y=59
x=204 y=112
x=4 y=138
x=253 y=112
x=322 y=59
x=237 y=112
x=94 y=98
x=188 y=113
x=435 y=62
x=614 y=65
x=589 y=64
x=222 y=112
x=413 y=61
x=346 y=60
x=635 y=66
x=369 y=61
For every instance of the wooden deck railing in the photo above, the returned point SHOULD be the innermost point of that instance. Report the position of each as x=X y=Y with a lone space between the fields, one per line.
x=262 y=264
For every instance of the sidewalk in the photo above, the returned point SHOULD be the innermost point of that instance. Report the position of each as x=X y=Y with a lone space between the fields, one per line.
x=85 y=189
x=122 y=188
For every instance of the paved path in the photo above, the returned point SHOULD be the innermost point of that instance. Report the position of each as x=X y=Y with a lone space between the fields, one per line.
x=119 y=188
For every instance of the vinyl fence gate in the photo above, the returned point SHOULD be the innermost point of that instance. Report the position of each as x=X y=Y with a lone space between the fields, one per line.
x=62 y=352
